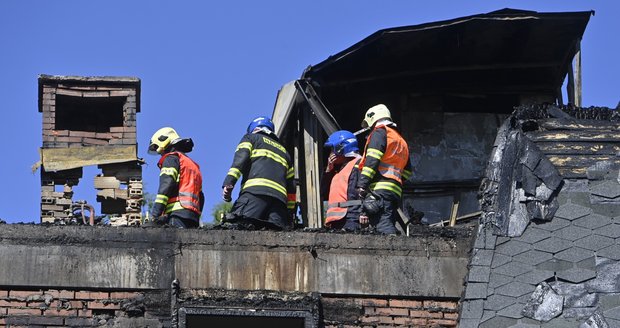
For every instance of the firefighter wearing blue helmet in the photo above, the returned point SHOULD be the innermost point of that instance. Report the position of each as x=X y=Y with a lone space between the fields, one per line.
x=339 y=182
x=267 y=196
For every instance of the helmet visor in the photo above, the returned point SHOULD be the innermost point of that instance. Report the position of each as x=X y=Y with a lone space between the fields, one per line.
x=153 y=149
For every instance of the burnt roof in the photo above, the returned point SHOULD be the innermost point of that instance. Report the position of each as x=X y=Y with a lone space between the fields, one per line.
x=505 y=50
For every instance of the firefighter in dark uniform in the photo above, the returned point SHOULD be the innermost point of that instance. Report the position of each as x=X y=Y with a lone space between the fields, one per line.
x=385 y=165
x=267 y=196
x=339 y=182
x=179 y=199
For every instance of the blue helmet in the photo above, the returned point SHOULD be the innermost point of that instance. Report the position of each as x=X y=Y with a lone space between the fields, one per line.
x=343 y=142
x=261 y=121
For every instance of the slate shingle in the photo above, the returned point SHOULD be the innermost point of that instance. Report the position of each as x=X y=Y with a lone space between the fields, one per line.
x=533 y=257
x=555 y=265
x=594 y=242
x=553 y=245
x=512 y=248
x=611 y=231
x=532 y=235
x=553 y=225
x=574 y=254
x=535 y=277
x=512 y=311
x=513 y=269
x=593 y=221
x=576 y=275
x=497 y=302
x=611 y=252
x=515 y=289
x=572 y=211
x=496 y=279
x=607 y=189
x=572 y=233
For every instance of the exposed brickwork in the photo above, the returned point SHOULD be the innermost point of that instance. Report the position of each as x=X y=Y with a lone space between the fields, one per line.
x=61 y=308
x=375 y=312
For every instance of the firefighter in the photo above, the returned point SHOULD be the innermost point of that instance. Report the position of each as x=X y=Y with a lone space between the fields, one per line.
x=267 y=196
x=340 y=180
x=179 y=199
x=384 y=166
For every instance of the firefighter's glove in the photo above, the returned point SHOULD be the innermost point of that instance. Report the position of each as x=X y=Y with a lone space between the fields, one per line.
x=331 y=162
x=227 y=193
x=361 y=192
x=364 y=219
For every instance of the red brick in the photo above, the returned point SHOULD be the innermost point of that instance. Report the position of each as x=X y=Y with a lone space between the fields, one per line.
x=12 y=311
x=69 y=139
x=370 y=310
x=450 y=315
x=386 y=320
x=96 y=94
x=418 y=322
x=374 y=302
x=22 y=294
x=61 y=312
x=94 y=141
x=443 y=305
x=91 y=295
x=85 y=313
x=393 y=311
x=418 y=313
x=105 y=135
x=64 y=294
x=68 y=92
x=123 y=295
x=4 y=303
x=2 y=312
x=4 y=293
x=61 y=133
x=129 y=135
x=445 y=323
x=114 y=129
x=102 y=306
x=76 y=305
x=82 y=134
x=405 y=303
x=370 y=319
x=122 y=93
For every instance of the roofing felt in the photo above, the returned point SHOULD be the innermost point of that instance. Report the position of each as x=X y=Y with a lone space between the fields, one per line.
x=564 y=272
x=503 y=50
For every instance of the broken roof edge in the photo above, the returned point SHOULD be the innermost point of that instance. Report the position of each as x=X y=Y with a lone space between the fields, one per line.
x=89 y=79
x=502 y=14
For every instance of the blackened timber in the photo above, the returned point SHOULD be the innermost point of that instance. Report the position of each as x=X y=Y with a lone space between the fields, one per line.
x=578 y=148
x=573 y=136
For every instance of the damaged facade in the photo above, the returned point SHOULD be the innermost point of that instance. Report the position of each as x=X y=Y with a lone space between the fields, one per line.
x=542 y=179
x=90 y=121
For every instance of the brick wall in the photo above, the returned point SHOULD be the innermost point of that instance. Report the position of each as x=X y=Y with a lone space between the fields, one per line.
x=69 y=308
x=388 y=312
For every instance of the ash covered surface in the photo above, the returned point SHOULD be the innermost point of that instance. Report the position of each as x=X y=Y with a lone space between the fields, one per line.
x=259 y=299
x=543 y=111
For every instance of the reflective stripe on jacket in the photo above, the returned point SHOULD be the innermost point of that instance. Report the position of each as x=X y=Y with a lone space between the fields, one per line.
x=338 y=200
x=265 y=168
x=190 y=185
x=391 y=162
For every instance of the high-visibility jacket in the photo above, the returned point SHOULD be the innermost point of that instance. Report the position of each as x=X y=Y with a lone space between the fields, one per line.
x=340 y=200
x=386 y=152
x=266 y=168
x=189 y=181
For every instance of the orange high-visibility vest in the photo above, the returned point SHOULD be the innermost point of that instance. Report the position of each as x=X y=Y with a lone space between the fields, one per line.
x=190 y=185
x=395 y=156
x=337 y=202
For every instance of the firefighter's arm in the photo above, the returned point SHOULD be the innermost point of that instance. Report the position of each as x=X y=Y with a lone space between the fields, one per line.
x=168 y=183
x=240 y=160
x=374 y=152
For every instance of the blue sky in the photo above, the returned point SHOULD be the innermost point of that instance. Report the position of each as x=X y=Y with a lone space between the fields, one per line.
x=207 y=67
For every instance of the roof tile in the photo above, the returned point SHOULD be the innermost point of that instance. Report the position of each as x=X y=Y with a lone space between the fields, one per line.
x=593 y=221
x=594 y=242
x=553 y=245
x=574 y=254
x=576 y=275
x=607 y=189
x=533 y=257
x=572 y=211
x=515 y=289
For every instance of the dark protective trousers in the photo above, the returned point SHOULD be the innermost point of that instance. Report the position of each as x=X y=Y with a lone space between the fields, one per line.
x=262 y=211
x=384 y=222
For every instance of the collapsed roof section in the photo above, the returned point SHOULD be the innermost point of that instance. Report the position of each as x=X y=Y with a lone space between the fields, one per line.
x=503 y=52
x=448 y=84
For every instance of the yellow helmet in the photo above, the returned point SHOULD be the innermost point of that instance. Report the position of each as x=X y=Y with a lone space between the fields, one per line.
x=162 y=139
x=375 y=113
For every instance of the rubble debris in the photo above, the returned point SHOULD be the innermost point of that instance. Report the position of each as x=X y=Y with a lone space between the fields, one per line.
x=595 y=321
x=544 y=304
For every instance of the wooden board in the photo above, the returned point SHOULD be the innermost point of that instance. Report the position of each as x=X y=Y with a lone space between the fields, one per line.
x=58 y=159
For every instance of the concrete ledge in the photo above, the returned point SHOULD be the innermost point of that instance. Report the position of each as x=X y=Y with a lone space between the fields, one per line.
x=433 y=264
